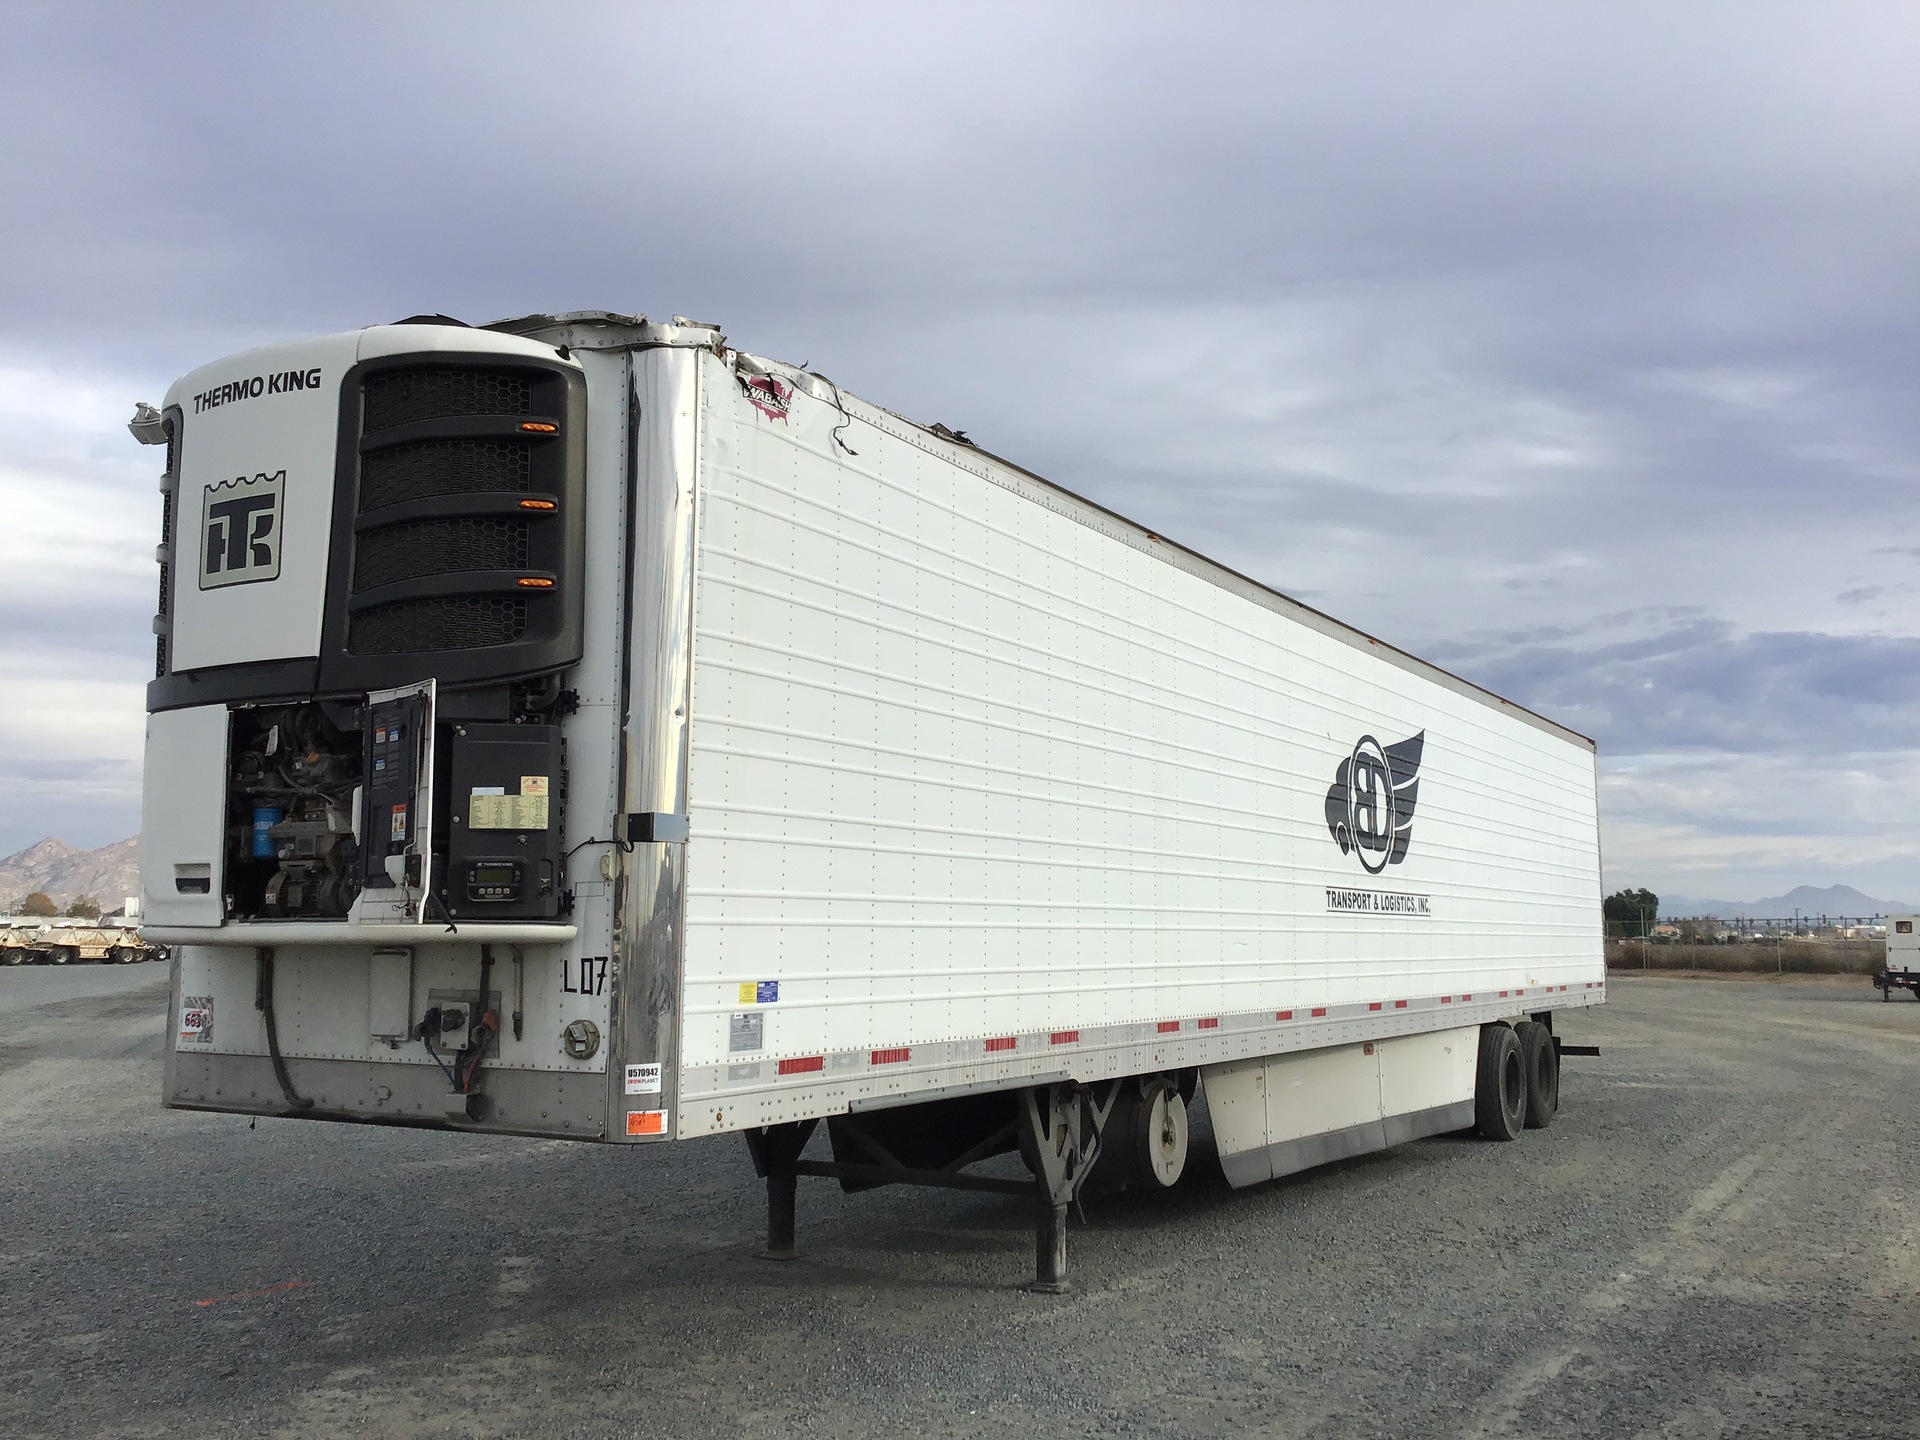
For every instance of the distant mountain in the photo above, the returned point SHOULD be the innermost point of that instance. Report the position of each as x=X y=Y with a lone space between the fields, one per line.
x=109 y=874
x=1807 y=899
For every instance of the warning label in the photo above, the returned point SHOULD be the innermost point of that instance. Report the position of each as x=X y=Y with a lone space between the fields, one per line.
x=746 y=1031
x=489 y=809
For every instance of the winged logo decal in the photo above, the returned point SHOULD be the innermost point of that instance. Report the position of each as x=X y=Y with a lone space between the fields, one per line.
x=1370 y=807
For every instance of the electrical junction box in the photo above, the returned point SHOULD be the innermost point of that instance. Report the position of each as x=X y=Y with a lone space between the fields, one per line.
x=507 y=786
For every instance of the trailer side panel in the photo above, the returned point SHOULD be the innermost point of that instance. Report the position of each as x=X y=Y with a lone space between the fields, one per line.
x=986 y=785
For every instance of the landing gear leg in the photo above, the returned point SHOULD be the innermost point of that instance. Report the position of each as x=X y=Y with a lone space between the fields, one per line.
x=1060 y=1140
x=776 y=1151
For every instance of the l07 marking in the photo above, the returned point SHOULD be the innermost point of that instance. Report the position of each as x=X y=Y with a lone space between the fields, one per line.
x=585 y=975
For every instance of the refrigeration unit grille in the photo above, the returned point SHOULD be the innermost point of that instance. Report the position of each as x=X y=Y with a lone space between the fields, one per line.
x=416 y=548
x=458 y=622
x=458 y=541
x=444 y=467
x=401 y=397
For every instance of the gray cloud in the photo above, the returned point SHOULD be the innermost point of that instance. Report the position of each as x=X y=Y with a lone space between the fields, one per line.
x=1572 y=347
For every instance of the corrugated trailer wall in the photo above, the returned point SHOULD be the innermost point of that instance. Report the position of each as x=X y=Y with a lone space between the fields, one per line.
x=986 y=784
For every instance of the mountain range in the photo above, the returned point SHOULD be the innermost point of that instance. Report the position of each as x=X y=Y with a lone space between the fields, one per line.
x=1807 y=899
x=109 y=874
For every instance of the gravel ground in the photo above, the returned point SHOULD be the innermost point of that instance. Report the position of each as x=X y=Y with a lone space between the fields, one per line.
x=1719 y=1236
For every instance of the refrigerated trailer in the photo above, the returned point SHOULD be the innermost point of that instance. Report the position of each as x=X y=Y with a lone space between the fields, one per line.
x=578 y=726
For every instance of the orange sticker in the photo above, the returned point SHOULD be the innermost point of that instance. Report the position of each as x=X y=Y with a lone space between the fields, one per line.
x=646 y=1122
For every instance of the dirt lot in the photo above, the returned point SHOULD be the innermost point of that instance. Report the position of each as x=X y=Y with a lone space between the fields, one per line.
x=1720 y=1236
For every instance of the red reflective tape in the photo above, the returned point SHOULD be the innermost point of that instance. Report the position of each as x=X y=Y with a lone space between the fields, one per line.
x=1064 y=1037
x=1373 y=1005
x=1503 y=994
x=1465 y=998
x=1319 y=1011
x=1283 y=1014
x=1446 y=999
x=1167 y=1027
x=891 y=1057
x=1005 y=1042
x=803 y=1065
x=1213 y=1024
x=1399 y=1004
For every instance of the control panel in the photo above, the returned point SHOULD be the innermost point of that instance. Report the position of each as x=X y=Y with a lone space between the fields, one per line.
x=507 y=793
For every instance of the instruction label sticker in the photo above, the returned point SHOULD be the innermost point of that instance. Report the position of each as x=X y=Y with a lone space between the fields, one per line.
x=490 y=809
x=196 y=1020
x=643 y=1079
x=746 y=1031
x=759 y=992
x=646 y=1122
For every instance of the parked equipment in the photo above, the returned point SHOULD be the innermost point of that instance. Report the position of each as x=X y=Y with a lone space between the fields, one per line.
x=580 y=727
x=32 y=941
x=1902 y=969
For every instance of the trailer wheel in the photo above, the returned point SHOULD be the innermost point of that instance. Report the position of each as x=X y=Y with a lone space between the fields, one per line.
x=1500 y=1085
x=59 y=955
x=1163 y=1146
x=1144 y=1141
x=1541 y=1063
x=16 y=955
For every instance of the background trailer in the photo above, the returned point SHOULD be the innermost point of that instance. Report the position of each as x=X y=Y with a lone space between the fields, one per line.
x=579 y=727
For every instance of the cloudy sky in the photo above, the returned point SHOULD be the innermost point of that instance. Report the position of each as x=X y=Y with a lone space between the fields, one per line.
x=1573 y=347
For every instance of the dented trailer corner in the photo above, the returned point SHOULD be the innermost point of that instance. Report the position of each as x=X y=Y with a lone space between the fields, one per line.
x=579 y=727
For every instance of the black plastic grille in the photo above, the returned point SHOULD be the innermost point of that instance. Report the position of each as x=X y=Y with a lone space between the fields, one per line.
x=438 y=547
x=451 y=623
x=434 y=557
x=444 y=467
x=399 y=397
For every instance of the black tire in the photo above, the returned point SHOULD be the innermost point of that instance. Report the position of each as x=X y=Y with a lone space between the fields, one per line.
x=16 y=955
x=1541 y=1063
x=1500 y=1085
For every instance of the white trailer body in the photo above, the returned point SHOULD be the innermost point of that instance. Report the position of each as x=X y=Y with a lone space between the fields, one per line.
x=751 y=755
x=1901 y=971
x=1903 y=945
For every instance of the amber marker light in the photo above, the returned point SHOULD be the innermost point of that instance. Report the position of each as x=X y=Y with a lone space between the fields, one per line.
x=538 y=505
x=539 y=427
x=534 y=582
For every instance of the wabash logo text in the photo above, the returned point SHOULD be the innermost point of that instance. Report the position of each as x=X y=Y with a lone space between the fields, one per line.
x=1370 y=807
x=240 y=531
